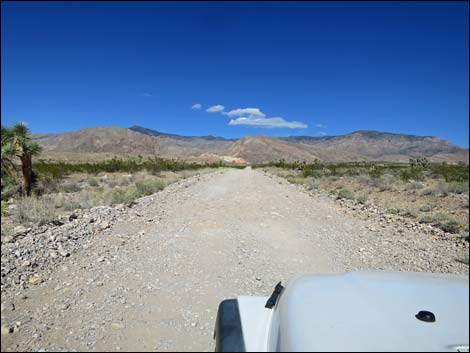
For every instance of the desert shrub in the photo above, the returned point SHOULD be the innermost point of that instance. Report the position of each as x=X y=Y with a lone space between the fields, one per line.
x=412 y=173
x=444 y=188
x=49 y=184
x=120 y=195
x=93 y=182
x=376 y=172
x=345 y=194
x=421 y=162
x=465 y=260
x=450 y=226
x=296 y=180
x=34 y=209
x=70 y=187
x=443 y=221
x=457 y=187
x=426 y=208
x=383 y=185
x=149 y=186
x=4 y=208
x=362 y=198
x=408 y=213
x=450 y=172
x=414 y=185
x=428 y=191
x=313 y=184
x=154 y=165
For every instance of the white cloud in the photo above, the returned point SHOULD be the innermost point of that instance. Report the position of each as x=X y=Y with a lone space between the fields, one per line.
x=146 y=94
x=268 y=122
x=251 y=112
x=321 y=133
x=320 y=126
x=196 y=106
x=215 y=109
x=255 y=117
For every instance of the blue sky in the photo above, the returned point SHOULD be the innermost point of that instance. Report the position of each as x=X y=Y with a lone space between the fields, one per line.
x=303 y=68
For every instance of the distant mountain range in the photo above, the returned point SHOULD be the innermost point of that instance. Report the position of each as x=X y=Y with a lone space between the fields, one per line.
x=104 y=142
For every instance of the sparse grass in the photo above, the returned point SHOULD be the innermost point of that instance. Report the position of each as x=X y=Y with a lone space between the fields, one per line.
x=436 y=194
x=102 y=190
x=34 y=209
x=296 y=179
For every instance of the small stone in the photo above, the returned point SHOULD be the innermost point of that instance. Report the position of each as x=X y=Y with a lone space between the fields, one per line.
x=117 y=326
x=19 y=230
x=6 y=329
x=8 y=306
x=7 y=239
x=100 y=259
x=26 y=263
x=35 y=279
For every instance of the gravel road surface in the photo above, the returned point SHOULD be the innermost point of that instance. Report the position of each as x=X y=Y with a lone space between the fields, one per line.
x=153 y=279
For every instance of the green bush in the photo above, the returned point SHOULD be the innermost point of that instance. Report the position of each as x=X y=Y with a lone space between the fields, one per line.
x=121 y=195
x=450 y=172
x=458 y=187
x=93 y=182
x=57 y=170
x=443 y=221
x=4 y=208
x=376 y=172
x=450 y=226
x=345 y=194
x=148 y=187
x=412 y=173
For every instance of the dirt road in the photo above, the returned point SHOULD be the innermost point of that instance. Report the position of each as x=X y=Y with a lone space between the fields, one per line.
x=153 y=281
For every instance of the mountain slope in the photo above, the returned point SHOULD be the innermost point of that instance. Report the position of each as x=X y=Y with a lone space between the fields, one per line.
x=359 y=145
x=186 y=146
x=381 y=146
x=115 y=140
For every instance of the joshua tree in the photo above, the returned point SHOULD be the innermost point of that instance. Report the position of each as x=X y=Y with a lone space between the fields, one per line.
x=16 y=142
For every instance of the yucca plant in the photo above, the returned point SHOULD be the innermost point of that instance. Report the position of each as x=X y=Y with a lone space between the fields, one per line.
x=16 y=143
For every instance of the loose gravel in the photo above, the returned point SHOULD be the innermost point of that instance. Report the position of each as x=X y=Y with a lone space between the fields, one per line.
x=149 y=276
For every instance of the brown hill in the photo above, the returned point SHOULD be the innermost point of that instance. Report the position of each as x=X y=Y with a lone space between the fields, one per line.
x=261 y=149
x=100 y=140
x=381 y=146
x=104 y=142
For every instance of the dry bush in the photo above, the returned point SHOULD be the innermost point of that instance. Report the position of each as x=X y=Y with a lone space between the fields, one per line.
x=93 y=182
x=149 y=186
x=443 y=221
x=34 y=209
